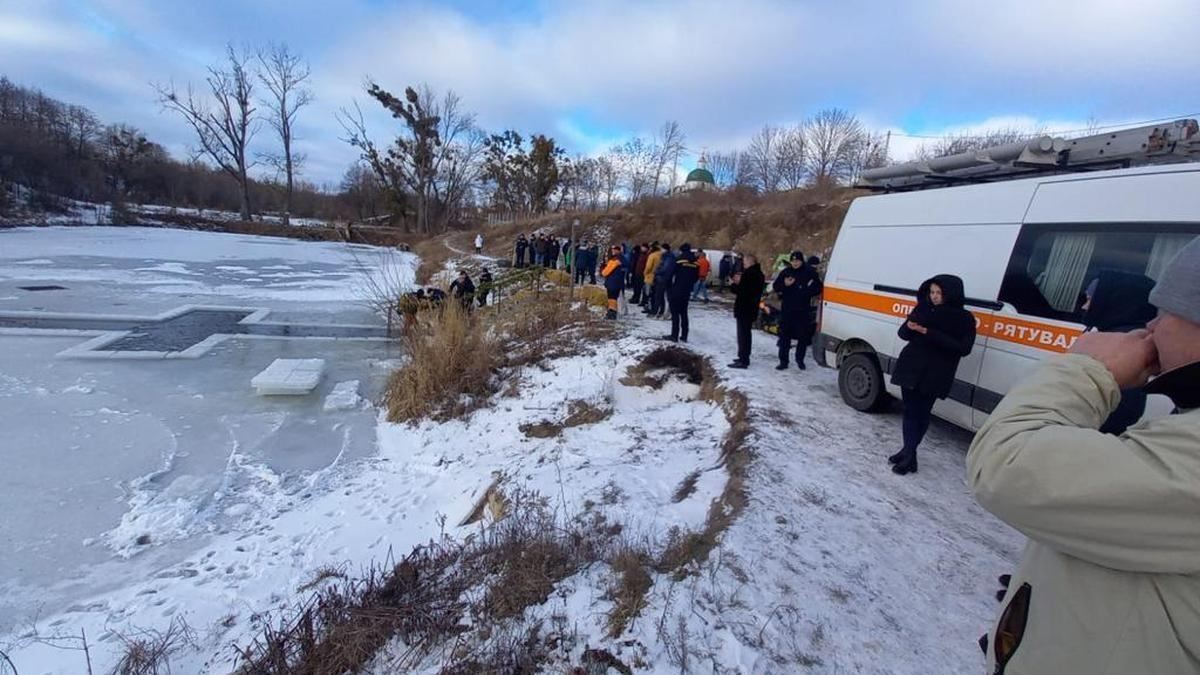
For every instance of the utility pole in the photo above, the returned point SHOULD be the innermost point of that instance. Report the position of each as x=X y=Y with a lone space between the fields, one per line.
x=574 y=259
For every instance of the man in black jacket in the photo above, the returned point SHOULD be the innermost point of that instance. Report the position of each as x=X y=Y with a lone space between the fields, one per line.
x=684 y=275
x=796 y=285
x=522 y=246
x=747 y=288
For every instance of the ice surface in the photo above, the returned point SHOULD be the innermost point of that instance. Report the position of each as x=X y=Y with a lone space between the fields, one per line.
x=289 y=377
x=101 y=455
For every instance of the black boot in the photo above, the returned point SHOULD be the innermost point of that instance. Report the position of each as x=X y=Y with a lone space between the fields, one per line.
x=801 y=366
x=895 y=459
x=782 y=366
x=740 y=365
x=908 y=464
x=670 y=338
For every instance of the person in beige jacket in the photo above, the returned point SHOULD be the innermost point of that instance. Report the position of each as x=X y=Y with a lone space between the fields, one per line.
x=1110 y=578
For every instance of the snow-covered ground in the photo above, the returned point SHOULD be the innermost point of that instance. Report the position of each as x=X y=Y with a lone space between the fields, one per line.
x=836 y=565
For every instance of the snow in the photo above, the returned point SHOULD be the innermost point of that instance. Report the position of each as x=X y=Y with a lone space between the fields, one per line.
x=835 y=565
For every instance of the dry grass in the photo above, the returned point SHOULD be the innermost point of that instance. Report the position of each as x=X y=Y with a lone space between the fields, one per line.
x=148 y=652
x=579 y=413
x=450 y=369
x=631 y=566
x=457 y=599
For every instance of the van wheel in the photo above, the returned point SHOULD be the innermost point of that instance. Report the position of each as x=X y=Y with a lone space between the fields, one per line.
x=860 y=382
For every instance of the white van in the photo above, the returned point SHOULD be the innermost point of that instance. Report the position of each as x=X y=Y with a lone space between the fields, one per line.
x=1025 y=249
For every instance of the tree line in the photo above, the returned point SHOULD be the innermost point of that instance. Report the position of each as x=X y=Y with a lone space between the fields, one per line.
x=435 y=169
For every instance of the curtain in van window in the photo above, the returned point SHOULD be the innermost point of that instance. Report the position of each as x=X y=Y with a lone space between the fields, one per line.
x=1062 y=280
x=1165 y=247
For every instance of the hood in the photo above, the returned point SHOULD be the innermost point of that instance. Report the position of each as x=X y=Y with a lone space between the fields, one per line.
x=1120 y=301
x=952 y=290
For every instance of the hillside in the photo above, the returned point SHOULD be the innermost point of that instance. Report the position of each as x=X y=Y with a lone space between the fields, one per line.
x=764 y=225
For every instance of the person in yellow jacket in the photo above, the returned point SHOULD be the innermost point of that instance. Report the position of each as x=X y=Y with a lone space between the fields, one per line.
x=1110 y=579
x=652 y=262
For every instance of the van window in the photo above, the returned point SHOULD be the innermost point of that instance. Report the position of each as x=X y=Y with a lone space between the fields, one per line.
x=1052 y=265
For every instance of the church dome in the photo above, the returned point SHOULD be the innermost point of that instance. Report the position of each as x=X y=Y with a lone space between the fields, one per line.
x=700 y=175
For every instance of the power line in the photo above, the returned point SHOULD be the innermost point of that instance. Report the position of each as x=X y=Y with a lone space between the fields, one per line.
x=1062 y=132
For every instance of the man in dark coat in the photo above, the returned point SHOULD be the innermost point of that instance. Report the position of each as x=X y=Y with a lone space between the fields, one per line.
x=939 y=332
x=485 y=287
x=593 y=261
x=522 y=246
x=637 y=276
x=684 y=274
x=725 y=270
x=662 y=279
x=796 y=286
x=463 y=289
x=1119 y=302
x=579 y=260
x=747 y=288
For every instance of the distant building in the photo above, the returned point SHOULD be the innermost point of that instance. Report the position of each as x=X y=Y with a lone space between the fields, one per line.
x=699 y=179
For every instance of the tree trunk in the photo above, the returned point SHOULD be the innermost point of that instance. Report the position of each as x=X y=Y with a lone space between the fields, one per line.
x=244 y=183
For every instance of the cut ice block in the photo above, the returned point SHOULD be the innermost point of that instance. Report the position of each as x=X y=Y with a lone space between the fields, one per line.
x=343 y=397
x=289 y=377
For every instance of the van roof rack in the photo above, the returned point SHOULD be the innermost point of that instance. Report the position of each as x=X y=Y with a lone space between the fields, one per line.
x=1167 y=143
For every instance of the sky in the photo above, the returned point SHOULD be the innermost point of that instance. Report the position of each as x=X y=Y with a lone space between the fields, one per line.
x=594 y=72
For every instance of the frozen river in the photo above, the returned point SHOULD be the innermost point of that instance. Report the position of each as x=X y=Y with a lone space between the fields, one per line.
x=110 y=459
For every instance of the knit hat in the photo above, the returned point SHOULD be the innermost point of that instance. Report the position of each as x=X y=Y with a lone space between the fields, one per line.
x=1178 y=289
x=797 y=255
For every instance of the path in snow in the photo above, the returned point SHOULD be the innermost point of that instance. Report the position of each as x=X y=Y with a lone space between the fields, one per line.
x=837 y=565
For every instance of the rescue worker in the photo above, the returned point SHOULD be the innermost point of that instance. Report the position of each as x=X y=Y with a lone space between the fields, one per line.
x=684 y=272
x=1110 y=579
x=1118 y=302
x=939 y=332
x=796 y=286
x=747 y=288
x=614 y=281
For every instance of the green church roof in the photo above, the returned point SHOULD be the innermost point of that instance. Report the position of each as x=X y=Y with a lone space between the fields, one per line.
x=701 y=176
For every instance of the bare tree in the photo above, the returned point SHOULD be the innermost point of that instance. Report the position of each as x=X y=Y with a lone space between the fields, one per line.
x=873 y=154
x=458 y=160
x=723 y=166
x=83 y=127
x=959 y=143
x=789 y=153
x=637 y=162
x=284 y=75
x=436 y=160
x=834 y=140
x=224 y=135
x=608 y=172
x=762 y=156
x=666 y=148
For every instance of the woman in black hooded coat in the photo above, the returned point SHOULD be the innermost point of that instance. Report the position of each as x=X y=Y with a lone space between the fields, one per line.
x=939 y=332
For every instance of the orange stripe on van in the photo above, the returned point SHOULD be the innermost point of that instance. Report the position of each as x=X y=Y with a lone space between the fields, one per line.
x=1037 y=334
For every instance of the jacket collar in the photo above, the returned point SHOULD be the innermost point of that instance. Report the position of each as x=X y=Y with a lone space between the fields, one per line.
x=1181 y=385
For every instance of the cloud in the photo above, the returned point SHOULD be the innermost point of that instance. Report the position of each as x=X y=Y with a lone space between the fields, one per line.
x=593 y=71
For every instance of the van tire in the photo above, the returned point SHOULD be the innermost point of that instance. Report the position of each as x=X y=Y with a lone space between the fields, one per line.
x=860 y=382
